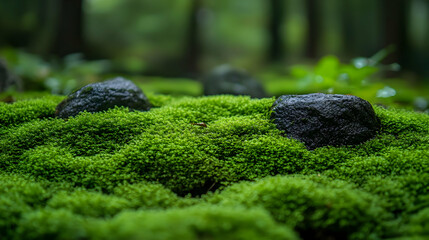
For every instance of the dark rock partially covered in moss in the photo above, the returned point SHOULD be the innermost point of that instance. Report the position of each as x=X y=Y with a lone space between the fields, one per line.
x=325 y=119
x=99 y=97
x=228 y=80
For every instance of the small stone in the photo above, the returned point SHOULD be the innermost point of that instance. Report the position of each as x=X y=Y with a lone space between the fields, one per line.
x=102 y=96
x=227 y=80
x=325 y=119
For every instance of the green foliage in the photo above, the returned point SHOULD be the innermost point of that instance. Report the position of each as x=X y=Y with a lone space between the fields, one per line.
x=174 y=87
x=122 y=173
x=332 y=76
x=128 y=50
x=362 y=77
x=57 y=76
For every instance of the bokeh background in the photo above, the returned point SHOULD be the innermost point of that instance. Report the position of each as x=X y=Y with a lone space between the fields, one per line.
x=376 y=49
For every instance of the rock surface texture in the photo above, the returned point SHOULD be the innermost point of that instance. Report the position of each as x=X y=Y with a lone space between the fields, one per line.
x=101 y=96
x=325 y=119
x=227 y=80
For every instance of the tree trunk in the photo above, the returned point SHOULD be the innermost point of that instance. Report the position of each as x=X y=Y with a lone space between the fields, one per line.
x=69 y=30
x=313 y=28
x=275 y=33
x=193 y=44
x=395 y=22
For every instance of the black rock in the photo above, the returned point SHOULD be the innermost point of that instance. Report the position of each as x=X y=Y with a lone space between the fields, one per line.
x=7 y=78
x=101 y=96
x=4 y=76
x=325 y=119
x=228 y=80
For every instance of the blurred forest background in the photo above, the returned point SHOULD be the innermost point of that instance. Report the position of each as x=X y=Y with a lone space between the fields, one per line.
x=376 y=49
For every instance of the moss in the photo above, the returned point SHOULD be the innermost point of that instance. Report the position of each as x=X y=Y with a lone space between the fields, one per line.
x=23 y=198
x=399 y=194
x=315 y=208
x=157 y=100
x=97 y=167
x=51 y=224
x=87 y=90
x=20 y=194
x=201 y=222
x=125 y=197
x=27 y=110
x=418 y=224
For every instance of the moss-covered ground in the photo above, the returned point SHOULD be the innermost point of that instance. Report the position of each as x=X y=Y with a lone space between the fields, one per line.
x=154 y=175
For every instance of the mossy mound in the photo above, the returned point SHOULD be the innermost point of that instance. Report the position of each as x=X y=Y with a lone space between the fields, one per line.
x=129 y=174
x=200 y=222
x=315 y=206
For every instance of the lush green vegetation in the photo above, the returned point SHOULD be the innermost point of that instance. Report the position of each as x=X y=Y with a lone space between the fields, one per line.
x=121 y=174
x=363 y=77
x=196 y=167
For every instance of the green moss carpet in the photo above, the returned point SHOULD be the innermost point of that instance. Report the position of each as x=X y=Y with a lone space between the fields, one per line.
x=155 y=175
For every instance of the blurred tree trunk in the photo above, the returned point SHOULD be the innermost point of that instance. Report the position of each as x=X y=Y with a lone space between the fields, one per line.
x=4 y=76
x=395 y=25
x=313 y=28
x=418 y=37
x=193 y=43
x=331 y=37
x=362 y=27
x=69 y=30
x=347 y=19
x=275 y=30
x=47 y=17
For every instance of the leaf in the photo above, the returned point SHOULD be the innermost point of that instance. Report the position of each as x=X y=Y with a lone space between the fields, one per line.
x=328 y=67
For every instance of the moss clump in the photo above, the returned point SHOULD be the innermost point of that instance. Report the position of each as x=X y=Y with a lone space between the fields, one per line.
x=20 y=195
x=23 y=197
x=27 y=110
x=125 y=197
x=418 y=225
x=316 y=208
x=192 y=223
x=96 y=168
